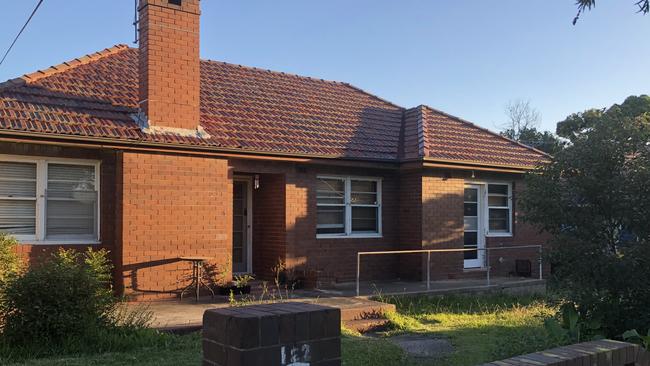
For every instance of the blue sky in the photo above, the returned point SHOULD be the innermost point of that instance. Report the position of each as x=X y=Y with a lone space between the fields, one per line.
x=466 y=57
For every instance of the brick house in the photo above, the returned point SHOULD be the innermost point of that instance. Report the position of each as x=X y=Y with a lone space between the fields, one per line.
x=153 y=153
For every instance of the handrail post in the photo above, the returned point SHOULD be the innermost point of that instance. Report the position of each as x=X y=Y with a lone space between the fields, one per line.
x=540 y=264
x=487 y=263
x=358 y=271
x=428 y=270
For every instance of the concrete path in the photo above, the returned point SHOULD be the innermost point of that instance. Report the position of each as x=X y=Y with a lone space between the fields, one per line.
x=174 y=315
x=422 y=346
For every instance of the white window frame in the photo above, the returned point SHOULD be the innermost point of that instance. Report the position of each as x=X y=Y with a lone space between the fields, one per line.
x=41 y=187
x=486 y=208
x=348 y=207
x=489 y=233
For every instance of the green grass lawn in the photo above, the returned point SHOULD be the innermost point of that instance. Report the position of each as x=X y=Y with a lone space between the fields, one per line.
x=481 y=328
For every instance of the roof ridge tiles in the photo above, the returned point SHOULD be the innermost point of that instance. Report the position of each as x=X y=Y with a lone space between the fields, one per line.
x=275 y=72
x=485 y=129
x=66 y=65
x=373 y=95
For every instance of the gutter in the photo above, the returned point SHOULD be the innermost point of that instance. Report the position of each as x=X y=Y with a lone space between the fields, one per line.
x=144 y=146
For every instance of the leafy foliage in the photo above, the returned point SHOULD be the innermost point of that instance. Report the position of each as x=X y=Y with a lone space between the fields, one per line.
x=634 y=336
x=594 y=198
x=65 y=305
x=541 y=140
x=571 y=328
x=10 y=267
x=9 y=262
x=66 y=297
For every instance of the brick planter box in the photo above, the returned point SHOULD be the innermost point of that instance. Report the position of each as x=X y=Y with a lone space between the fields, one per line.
x=597 y=353
x=272 y=335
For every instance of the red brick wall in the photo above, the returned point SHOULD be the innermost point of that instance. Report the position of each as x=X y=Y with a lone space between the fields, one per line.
x=442 y=220
x=503 y=261
x=169 y=63
x=442 y=224
x=269 y=231
x=335 y=259
x=410 y=223
x=160 y=207
x=172 y=206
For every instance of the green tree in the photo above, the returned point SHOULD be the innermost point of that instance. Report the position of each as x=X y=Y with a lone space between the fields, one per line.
x=594 y=199
x=577 y=125
x=541 y=140
x=644 y=7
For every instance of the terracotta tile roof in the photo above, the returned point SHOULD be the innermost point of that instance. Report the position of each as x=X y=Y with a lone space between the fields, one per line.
x=241 y=108
x=435 y=135
x=246 y=109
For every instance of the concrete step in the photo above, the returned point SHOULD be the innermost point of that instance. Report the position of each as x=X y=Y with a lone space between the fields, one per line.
x=367 y=325
x=373 y=310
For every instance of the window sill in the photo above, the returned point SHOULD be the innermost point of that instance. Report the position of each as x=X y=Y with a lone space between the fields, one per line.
x=59 y=242
x=357 y=236
x=498 y=235
x=475 y=269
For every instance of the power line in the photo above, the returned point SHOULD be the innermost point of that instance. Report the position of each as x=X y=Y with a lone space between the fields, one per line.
x=21 y=31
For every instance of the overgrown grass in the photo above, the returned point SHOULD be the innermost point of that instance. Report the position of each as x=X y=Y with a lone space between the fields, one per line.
x=481 y=328
x=366 y=351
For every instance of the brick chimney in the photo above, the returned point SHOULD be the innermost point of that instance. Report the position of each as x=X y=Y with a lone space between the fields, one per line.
x=169 y=67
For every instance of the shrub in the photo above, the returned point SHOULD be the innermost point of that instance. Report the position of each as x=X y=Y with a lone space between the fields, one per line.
x=594 y=198
x=9 y=262
x=65 y=298
x=10 y=267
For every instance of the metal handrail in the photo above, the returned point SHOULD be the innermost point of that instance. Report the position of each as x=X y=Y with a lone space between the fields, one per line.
x=447 y=250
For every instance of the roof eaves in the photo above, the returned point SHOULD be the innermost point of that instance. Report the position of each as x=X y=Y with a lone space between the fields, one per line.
x=469 y=164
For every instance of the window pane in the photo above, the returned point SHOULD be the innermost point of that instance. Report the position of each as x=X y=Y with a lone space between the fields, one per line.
x=364 y=219
x=18 y=217
x=71 y=218
x=363 y=198
x=471 y=241
x=83 y=175
x=499 y=220
x=471 y=209
x=331 y=220
x=17 y=179
x=471 y=223
x=330 y=191
x=499 y=201
x=498 y=189
x=471 y=195
x=364 y=186
x=71 y=209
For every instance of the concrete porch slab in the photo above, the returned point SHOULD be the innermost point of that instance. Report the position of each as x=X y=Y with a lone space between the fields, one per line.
x=186 y=316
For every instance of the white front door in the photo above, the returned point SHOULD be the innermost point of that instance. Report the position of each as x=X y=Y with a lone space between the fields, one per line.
x=241 y=226
x=473 y=220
